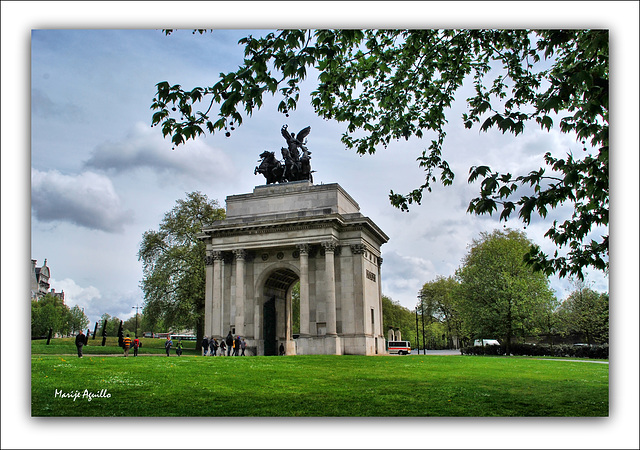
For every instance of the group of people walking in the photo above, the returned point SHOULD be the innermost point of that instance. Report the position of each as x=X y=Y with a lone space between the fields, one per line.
x=127 y=343
x=228 y=346
x=169 y=343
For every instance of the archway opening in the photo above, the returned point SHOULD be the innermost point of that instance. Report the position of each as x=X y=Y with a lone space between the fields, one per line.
x=278 y=312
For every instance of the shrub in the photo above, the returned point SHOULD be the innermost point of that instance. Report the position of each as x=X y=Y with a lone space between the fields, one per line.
x=564 y=350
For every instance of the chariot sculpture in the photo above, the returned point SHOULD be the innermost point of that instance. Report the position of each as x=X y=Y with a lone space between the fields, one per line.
x=295 y=164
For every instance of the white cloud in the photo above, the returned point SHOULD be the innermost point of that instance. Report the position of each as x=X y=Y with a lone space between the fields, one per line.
x=75 y=294
x=145 y=148
x=94 y=303
x=88 y=200
x=403 y=276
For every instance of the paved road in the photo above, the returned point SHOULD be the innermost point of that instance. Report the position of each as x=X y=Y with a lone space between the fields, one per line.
x=436 y=352
x=457 y=352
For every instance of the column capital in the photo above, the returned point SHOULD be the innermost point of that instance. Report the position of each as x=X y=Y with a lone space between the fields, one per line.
x=330 y=245
x=358 y=249
x=212 y=256
x=240 y=254
x=379 y=261
x=303 y=248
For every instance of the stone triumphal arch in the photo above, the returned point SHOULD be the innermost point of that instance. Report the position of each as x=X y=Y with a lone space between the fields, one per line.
x=284 y=233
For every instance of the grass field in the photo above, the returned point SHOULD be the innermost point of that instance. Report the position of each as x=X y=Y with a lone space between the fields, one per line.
x=66 y=346
x=351 y=386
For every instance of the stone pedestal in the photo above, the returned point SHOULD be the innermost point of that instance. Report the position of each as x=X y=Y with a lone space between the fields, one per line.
x=284 y=233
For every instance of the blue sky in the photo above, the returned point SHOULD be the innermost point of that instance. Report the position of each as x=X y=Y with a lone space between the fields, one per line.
x=97 y=175
x=101 y=176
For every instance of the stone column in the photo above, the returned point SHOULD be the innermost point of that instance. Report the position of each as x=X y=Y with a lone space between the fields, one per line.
x=208 y=293
x=216 y=304
x=304 y=289
x=239 y=298
x=380 y=325
x=330 y=286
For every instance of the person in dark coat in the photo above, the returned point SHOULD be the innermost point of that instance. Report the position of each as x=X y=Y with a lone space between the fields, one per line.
x=236 y=347
x=80 y=341
x=205 y=346
x=213 y=346
x=229 y=340
x=281 y=349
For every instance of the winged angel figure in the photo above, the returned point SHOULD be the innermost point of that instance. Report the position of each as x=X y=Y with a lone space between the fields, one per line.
x=294 y=167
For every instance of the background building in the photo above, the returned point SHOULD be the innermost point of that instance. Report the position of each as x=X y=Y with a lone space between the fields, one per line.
x=40 y=285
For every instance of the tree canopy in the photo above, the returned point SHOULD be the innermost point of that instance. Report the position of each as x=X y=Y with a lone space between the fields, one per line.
x=173 y=264
x=585 y=313
x=396 y=84
x=502 y=297
x=396 y=316
x=440 y=300
x=50 y=312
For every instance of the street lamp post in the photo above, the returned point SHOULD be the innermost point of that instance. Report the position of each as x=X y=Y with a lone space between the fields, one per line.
x=136 y=308
x=424 y=344
x=417 y=333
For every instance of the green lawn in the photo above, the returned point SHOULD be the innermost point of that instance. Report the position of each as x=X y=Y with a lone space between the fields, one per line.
x=67 y=346
x=317 y=386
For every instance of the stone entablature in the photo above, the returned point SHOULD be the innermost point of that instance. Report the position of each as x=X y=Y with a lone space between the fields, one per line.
x=282 y=233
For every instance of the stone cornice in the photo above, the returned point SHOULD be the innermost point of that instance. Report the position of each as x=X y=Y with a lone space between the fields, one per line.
x=264 y=225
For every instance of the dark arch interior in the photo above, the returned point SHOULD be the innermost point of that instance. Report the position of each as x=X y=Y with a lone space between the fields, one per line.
x=280 y=281
x=276 y=292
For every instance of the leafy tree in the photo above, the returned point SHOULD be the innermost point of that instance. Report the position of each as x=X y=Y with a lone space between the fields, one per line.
x=49 y=313
x=173 y=264
x=130 y=325
x=295 y=308
x=440 y=301
x=77 y=319
x=502 y=296
x=396 y=84
x=585 y=313
x=394 y=315
x=113 y=323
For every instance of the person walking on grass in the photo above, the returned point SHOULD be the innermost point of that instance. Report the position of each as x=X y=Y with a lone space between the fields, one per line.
x=167 y=344
x=205 y=346
x=80 y=343
x=223 y=347
x=179 y=348
x=213 y=346
x=236 y=346
x=136 y=345
x=229 y=340
x=126 y=345
x=243 y=345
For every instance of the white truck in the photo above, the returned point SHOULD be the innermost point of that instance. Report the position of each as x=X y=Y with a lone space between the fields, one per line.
x=483 y=342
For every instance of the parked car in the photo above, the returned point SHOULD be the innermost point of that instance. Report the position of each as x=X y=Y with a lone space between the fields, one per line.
x=483 y=342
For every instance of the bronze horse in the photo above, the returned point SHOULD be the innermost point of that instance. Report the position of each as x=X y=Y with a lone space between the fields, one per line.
x=293 y=167
x=270 y=167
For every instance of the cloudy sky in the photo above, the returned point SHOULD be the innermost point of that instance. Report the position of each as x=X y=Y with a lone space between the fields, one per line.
x=101 y=176
x=97 y=176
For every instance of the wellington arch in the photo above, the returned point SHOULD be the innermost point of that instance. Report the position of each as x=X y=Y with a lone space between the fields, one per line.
x=284 y=233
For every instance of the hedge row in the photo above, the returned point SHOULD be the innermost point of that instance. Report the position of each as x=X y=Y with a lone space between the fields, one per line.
x=574 y=351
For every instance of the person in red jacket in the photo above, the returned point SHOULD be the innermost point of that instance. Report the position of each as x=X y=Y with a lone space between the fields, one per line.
x=136 y=345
